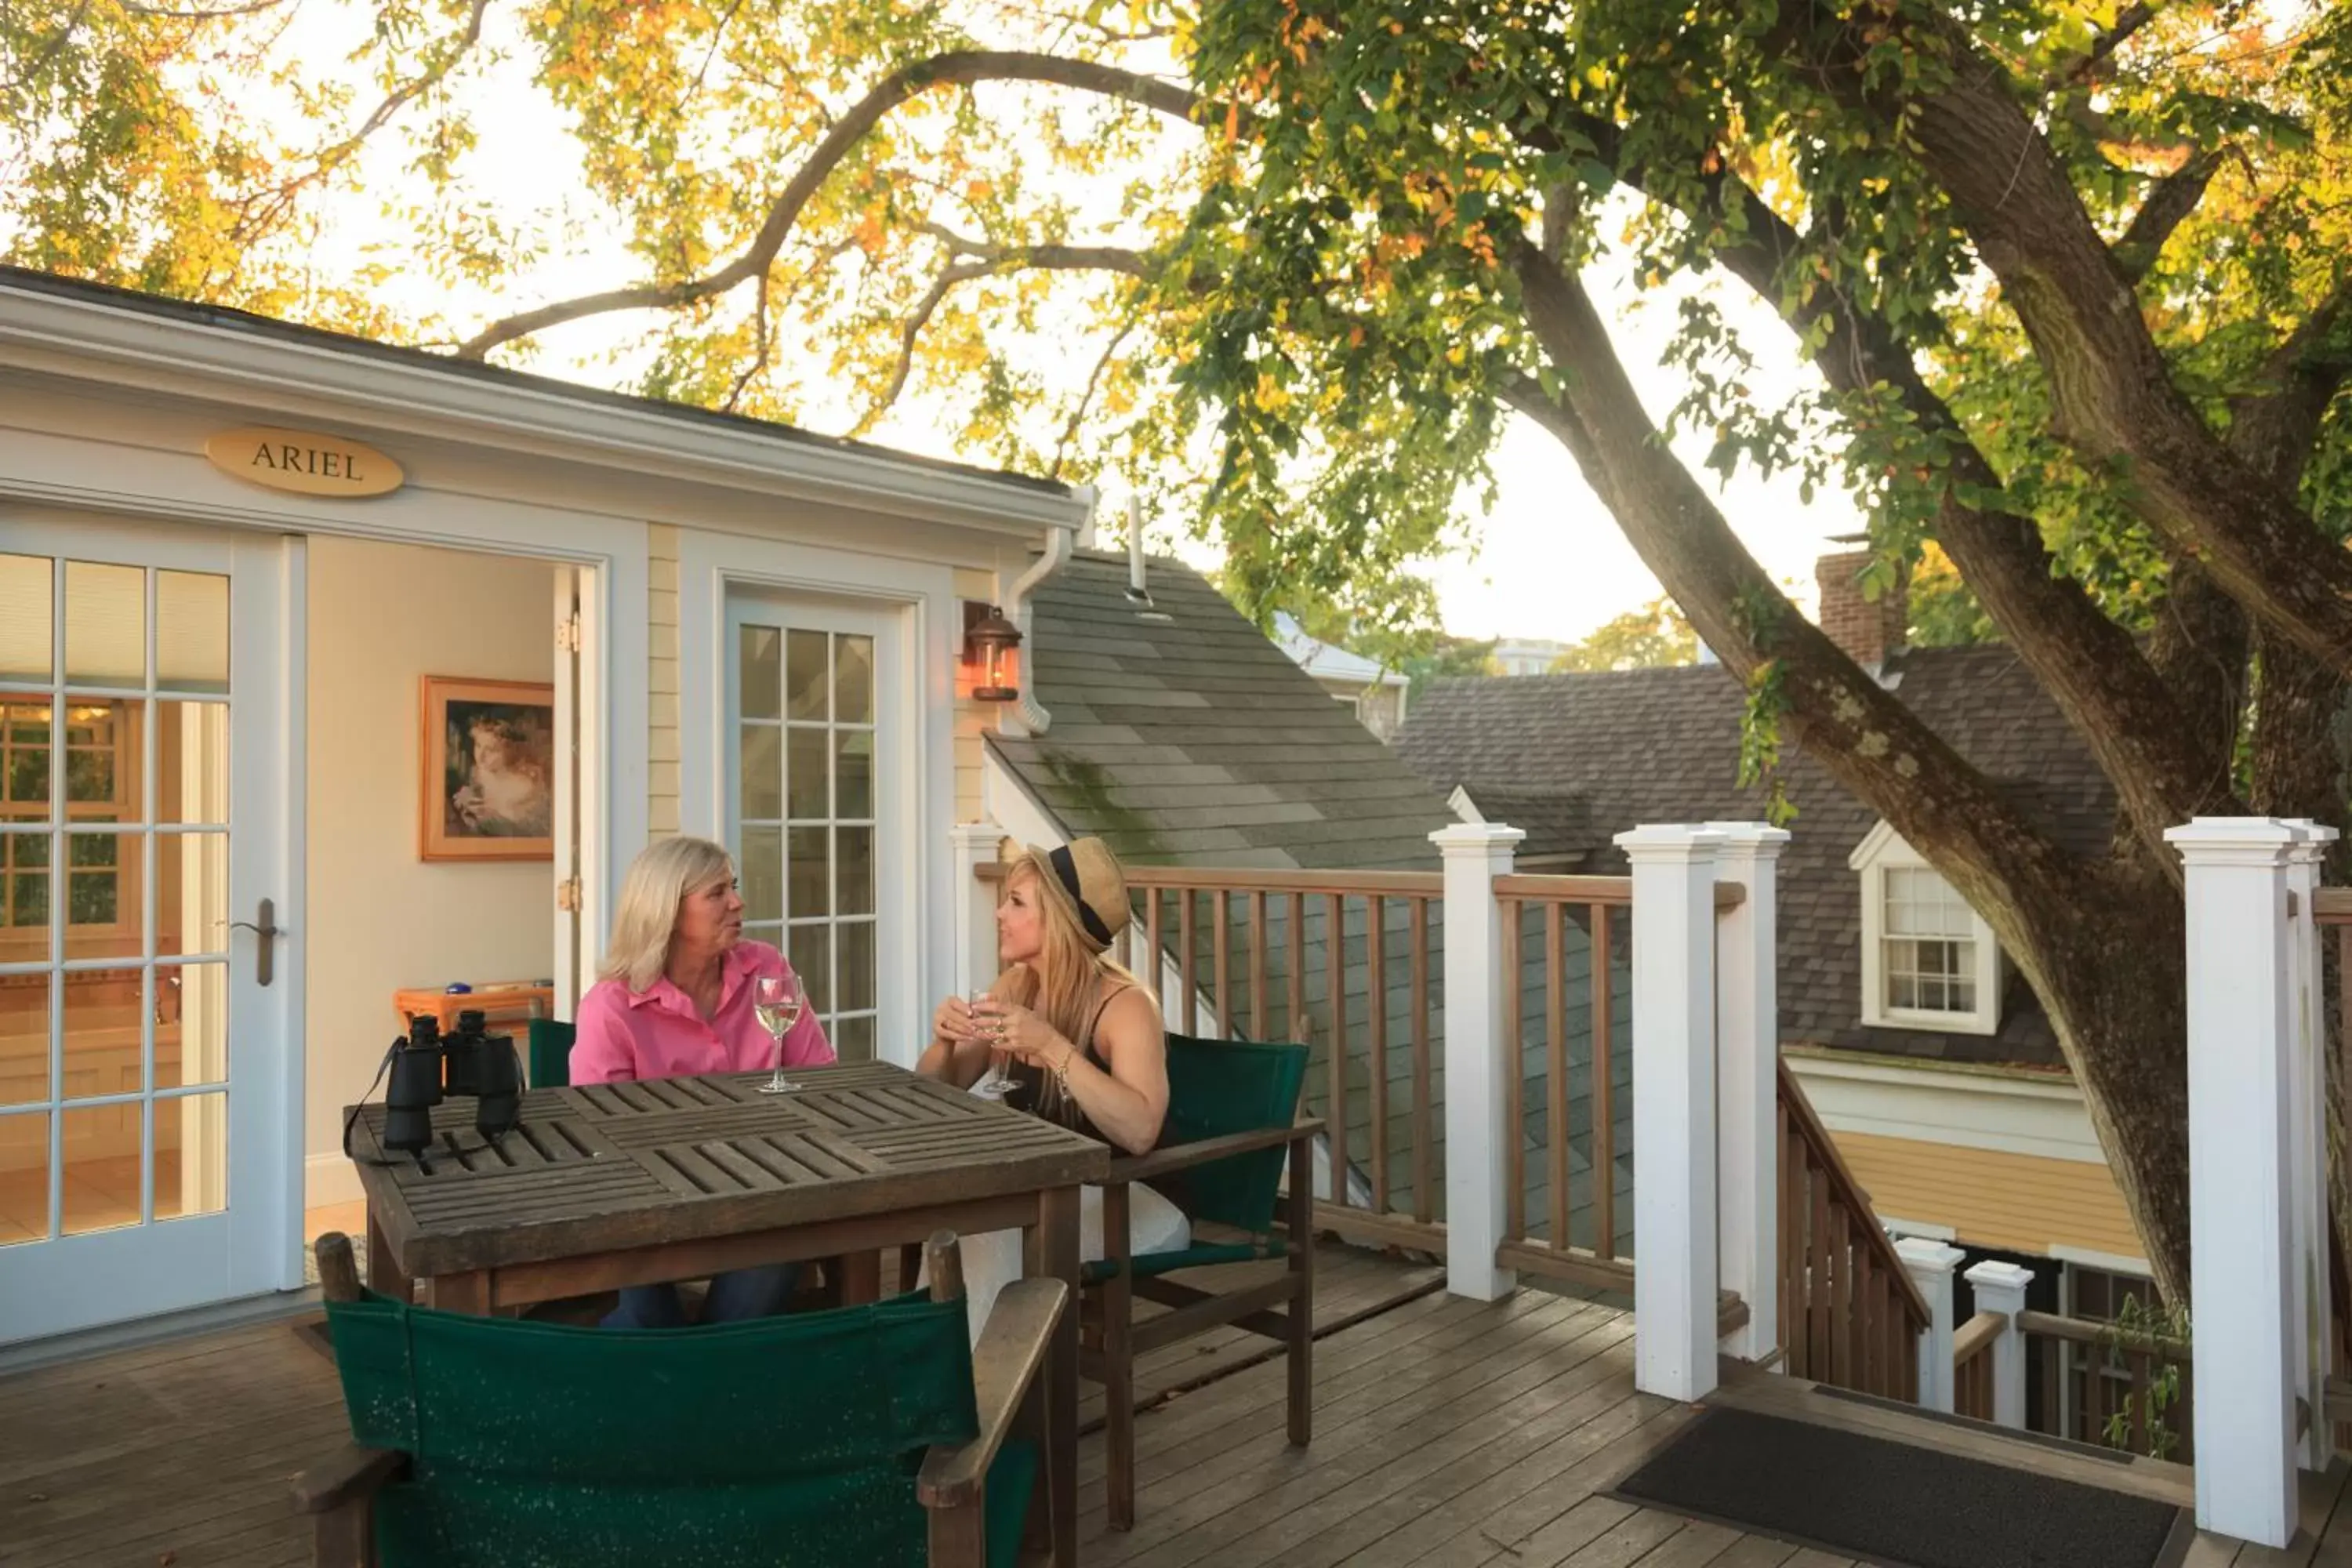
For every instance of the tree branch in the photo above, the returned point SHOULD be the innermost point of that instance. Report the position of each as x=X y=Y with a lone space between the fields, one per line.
x=1087 y=396
x=2114 y=397
x=991 y=258
x=326 y=160
x=2169 y=202
x=960 y=68
x=2093 y=66
x=2164 y=770
x=1853 y=726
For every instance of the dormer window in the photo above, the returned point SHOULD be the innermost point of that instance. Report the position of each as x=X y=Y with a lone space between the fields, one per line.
x=1928 y=961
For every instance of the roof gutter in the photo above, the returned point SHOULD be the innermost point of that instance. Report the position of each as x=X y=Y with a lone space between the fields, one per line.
x=1028 y=715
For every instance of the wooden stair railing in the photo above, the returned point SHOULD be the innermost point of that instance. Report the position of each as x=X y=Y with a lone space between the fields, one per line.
x=1850 y=1315
x=1972 y=1365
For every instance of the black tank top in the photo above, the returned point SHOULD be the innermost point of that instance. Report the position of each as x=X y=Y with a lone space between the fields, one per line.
x=1036 y=1091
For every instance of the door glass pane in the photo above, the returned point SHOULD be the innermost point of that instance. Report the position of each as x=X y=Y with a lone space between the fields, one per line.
x=25 y=618
x=811 y=878
x=106 y=625
x=854 y=965
x=856 y=882
x=24 y=1177
x=853 y=774
x=760 y=681
x=24 y=759
x=102 y=1167
x=24 y=1039
x=763 y=874
x=853 y=681
x=191 y=893
x=804 y=675
x=191 y=762
x=190 y=631
x=810 y=952
x=804 y=794
x=763 y=778
x=24 y=897
x=102 y=893
x=191 y=1005
x=853 y=1038
x=191 y=1155
x=103 y=1048
x=102 y=760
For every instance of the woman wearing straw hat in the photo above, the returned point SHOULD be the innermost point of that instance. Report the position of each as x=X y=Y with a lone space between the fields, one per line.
x=1078 y=1036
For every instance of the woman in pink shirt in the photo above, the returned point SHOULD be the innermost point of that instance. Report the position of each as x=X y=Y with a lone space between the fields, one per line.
x=675 y=998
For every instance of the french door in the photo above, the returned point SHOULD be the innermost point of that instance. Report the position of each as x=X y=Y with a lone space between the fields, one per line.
x=817 y=803
x=145 y=1059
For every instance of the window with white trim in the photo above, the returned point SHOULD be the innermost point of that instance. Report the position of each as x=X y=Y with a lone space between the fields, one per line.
x=1928 y=961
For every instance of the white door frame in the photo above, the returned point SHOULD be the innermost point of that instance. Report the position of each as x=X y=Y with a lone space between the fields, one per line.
x=611 y=556
x=921 y=595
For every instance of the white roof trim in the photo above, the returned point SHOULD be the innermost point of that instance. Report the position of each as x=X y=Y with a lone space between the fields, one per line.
x=122 y=346
x=1876 y=842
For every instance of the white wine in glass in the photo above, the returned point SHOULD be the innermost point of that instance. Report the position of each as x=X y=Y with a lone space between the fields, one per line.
x=778 y=1000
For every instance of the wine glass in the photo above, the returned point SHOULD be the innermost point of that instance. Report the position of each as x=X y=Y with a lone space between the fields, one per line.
x=778 y=1001
x=995 y=1083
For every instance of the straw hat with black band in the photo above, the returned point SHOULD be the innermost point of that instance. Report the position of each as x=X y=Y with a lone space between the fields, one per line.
x=1086 y=881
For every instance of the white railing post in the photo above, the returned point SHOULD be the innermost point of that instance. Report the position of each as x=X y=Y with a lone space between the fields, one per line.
x=2000 y=1288
x=1479 y=984
x=1930 y=1264
x=1746 y=1100
x=975 y=904
x=1675 y=1280
x=2241 y=1074
x=2309 y=1277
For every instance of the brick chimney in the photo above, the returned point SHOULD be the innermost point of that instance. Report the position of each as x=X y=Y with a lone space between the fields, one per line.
x=1868 y=631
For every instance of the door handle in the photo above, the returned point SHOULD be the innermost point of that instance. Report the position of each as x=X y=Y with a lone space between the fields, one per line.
x=267 y=931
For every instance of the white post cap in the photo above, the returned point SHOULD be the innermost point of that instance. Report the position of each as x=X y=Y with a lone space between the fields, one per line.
x=1475 y=838
x=1750 y=841
x=1926 y=1255
x=1666 y=842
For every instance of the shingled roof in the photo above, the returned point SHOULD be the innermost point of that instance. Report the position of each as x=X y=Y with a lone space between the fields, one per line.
x=1662 y=746
x=1184 y=737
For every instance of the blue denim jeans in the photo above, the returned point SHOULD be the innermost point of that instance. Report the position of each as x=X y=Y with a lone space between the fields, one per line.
x=742 y=1294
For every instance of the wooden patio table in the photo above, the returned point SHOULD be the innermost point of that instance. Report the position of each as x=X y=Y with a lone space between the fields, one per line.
x=632 y=1184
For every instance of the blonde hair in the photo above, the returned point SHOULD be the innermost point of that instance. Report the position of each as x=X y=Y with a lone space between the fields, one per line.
x=1068 y=978
x=659 y=879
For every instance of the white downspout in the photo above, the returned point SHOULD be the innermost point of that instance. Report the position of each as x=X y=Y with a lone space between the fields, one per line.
x=1028 y=716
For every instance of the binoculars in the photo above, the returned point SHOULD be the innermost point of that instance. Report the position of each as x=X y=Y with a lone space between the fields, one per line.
x=426 y=1069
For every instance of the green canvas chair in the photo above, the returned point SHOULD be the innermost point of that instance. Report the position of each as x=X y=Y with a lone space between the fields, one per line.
x=859 y=1438
x=1232 y=1114
x=551 y=1053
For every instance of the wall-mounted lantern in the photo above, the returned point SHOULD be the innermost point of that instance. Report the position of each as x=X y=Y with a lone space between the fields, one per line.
x=992 y=655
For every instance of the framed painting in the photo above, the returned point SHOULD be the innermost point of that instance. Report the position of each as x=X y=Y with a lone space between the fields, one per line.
x=488 y=761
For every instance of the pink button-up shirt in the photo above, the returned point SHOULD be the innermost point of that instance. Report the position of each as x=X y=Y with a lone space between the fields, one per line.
x=658 y=1031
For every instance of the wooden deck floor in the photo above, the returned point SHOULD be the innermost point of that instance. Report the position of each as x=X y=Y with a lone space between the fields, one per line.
x=1448 y=1432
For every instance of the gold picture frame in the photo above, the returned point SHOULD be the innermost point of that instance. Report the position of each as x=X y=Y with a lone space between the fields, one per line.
x=486 y=770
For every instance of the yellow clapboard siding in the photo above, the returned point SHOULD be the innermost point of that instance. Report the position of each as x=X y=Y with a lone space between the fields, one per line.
x=2017 y=1202
x=661 y=678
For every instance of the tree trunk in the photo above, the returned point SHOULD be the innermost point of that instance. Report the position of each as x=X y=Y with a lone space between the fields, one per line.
x=2110 y=966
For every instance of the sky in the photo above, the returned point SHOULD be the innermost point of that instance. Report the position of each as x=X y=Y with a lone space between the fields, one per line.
x=1549 y=561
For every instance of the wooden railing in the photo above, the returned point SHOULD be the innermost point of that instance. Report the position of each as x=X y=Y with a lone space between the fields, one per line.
x=1850 y=1315
x=2101 y=1383
x=1252 y=954
x=1559 y=1224
x=1972 y=1365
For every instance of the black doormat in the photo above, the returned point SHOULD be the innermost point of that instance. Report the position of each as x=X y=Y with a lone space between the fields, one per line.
x=1893 y=1503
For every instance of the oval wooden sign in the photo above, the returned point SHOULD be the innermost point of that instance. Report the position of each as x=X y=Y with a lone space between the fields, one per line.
x=303 y=461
